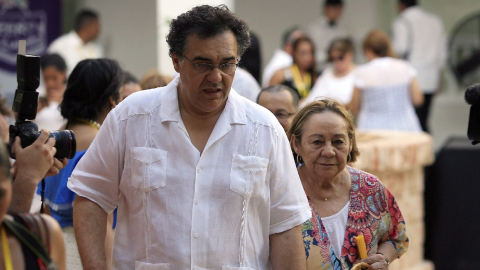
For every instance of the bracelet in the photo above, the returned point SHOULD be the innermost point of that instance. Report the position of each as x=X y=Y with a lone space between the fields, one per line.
x=385 y=258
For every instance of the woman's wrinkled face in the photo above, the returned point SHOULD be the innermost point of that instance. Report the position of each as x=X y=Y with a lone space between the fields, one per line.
x=303 y=55
x=324 y=145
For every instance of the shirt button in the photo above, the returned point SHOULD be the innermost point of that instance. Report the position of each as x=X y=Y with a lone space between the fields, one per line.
x=196 y=201
x=198 y=170
x=195 y=235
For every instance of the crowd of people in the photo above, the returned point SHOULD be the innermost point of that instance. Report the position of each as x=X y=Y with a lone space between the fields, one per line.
x=207 y=169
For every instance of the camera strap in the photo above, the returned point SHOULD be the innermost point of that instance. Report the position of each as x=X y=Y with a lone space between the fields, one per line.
x=42 y=195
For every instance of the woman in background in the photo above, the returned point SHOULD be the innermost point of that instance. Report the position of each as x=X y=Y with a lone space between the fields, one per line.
x=386 y=88
x=301 y=75
x=336 y=81
x=92 y=91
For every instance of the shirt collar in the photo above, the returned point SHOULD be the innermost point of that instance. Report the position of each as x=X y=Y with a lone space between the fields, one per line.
x=169 y=110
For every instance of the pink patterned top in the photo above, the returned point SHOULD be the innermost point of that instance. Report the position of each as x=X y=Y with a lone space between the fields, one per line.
x=373 y=212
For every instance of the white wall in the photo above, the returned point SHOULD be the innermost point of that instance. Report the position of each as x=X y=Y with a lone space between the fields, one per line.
x=128 y=32
x=270 y=18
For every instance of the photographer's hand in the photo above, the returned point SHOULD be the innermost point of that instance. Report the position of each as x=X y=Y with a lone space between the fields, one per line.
x=32 y=164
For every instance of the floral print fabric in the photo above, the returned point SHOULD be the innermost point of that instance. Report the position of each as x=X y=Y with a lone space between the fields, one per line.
x=373 y=212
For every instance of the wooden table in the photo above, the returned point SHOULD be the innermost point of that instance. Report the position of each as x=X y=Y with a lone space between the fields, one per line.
x=397 y=158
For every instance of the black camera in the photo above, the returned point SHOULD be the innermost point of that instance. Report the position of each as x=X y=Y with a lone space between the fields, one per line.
x=25 y=108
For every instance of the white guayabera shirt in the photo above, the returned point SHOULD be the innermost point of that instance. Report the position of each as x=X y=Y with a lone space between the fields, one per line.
x=180 y=210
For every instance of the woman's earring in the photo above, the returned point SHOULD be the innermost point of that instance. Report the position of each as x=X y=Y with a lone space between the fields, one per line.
x=349 y=157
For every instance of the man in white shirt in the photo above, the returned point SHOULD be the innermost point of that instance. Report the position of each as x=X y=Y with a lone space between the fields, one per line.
x=245 y=84
x=419 y=37
x=282 y=58
x=202 y=177
x=80 y=43
x=325 y=29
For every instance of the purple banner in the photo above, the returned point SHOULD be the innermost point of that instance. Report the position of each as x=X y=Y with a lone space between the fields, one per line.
x=38 y=22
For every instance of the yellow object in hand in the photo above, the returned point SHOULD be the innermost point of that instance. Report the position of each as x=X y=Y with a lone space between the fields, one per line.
x=362 y=247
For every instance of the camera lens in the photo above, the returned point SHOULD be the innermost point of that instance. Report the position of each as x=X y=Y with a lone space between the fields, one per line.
x=65 y=143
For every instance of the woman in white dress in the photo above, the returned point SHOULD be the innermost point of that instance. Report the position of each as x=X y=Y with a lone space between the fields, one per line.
x=386 y=88
x=336 y=81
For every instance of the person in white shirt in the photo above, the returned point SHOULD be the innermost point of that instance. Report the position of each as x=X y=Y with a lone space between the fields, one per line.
x=325 y=29
x=282 y=58
x=54 y=72
x=419 y=37
x=80 y=43
x=245 y=84
x=202 y=177
x=386 y=88
x=336 y=81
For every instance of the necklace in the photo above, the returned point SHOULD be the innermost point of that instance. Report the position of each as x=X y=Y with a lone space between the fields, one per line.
x=303 y=85
x=89 y=122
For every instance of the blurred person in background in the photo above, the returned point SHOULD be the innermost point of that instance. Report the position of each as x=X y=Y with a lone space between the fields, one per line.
x=245 y=84
x=92 y=91
x=386 y=88
x=419 y=37
x=252 y=58
x=336 y=81
x=130 y=85
x=282 y=101
x=301 y=75
x=282 y=58
x=80 y=43
x=153 y=79
x=54 y=72
x=325 y=29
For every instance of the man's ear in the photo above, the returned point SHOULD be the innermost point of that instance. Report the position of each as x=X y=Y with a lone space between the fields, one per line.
x=176 y=62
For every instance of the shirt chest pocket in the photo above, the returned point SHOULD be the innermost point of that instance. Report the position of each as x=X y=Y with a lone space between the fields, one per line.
x=149 y=168
x=248 y=174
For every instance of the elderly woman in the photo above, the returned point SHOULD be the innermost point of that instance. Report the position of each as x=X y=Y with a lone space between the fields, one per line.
x=345 y=202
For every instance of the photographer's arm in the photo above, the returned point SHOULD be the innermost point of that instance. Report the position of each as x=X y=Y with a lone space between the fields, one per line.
x=32 y=164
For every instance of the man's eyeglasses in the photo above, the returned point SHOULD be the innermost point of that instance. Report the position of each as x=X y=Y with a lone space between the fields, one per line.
x=283 y=115
x=226 y=68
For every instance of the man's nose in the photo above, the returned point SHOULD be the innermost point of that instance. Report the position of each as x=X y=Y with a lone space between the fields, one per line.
x=215 y=75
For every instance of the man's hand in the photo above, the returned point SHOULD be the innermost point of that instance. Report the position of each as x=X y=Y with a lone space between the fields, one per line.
x=32 y=164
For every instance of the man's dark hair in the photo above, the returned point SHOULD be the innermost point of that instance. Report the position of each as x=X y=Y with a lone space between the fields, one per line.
x=333 y=3
x=408 y=3
x=53 y=60
x=90 y=86
x=206 y=22
x=84 y=17
x=287 y=35
x=279 y=88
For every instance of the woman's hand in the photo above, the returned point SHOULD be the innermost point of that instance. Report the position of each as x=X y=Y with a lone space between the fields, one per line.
x=376 y=262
